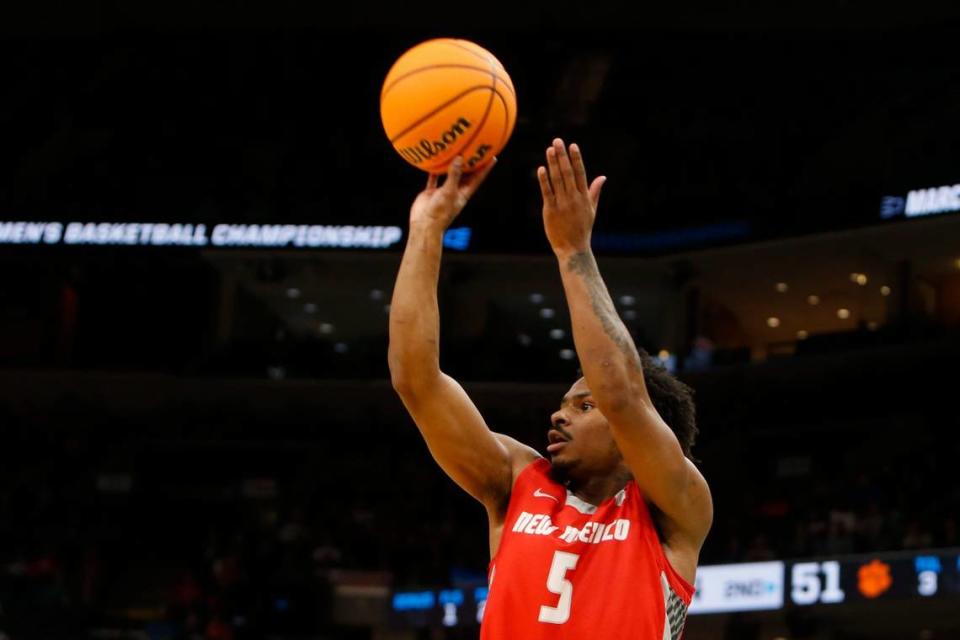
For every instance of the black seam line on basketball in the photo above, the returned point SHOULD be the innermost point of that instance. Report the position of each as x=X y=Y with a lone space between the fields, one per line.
x=436 y=111
x=453 y=42
x=428 y=68
x=483 y=120
x=506 y=114
x=506 y=124
x=505 y=83
x=494 y=65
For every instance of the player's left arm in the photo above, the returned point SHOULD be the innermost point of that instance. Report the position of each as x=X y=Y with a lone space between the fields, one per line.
x=608 y=356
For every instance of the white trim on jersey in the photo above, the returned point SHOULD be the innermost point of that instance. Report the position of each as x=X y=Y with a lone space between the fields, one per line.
x=582 y=506
x=585 y=507
x=674 y=611
x=666 y=606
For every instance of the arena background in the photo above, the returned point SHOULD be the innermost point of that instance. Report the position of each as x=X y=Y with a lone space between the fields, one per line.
x=200 y=439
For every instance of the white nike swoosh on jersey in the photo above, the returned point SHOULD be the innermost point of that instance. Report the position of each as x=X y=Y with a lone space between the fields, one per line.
x=541 y=494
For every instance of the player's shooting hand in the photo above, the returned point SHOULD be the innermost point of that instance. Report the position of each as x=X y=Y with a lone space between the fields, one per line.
x=569 y=202
x=438 y=205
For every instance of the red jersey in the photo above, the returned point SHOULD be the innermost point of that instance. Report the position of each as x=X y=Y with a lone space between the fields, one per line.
x=568 y=570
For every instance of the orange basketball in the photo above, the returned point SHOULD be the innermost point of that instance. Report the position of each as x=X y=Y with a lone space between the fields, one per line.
x=445 y=98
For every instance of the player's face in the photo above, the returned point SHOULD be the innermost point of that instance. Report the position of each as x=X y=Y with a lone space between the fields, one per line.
x=580 y=442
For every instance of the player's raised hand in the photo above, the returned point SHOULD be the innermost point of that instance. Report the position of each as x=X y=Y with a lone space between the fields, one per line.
x=569 y=201
x=438 y=205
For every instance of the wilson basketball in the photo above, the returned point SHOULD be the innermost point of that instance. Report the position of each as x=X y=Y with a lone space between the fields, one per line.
x=445 y=98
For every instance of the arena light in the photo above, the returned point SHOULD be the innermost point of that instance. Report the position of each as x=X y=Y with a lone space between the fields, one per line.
x=773 y=322
x=843 y=314
x=782 y=287
x=813 y=300
x=884 y=290
x=802 y=334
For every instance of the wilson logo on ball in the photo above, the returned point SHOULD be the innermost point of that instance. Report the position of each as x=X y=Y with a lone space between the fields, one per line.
x=445 y=98
x=428 y=149
x=478 y=156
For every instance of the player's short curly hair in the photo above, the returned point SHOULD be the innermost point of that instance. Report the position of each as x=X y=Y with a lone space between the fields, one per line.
x=673 y=400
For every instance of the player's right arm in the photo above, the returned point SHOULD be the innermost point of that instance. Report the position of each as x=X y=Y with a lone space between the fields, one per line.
x=456 y=434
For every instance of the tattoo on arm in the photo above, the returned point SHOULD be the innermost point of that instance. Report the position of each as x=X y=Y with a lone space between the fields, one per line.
x=584 y=265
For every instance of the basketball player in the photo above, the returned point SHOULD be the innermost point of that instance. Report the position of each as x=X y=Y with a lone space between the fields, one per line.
x=601 y=540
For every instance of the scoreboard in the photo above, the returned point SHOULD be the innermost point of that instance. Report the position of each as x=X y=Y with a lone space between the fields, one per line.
x=870 y=578
x=754 y=586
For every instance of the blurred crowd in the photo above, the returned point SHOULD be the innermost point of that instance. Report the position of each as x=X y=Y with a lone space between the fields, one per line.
x=899 y=508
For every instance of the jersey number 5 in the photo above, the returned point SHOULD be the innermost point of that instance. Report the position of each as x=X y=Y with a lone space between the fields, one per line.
x=557 y=583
